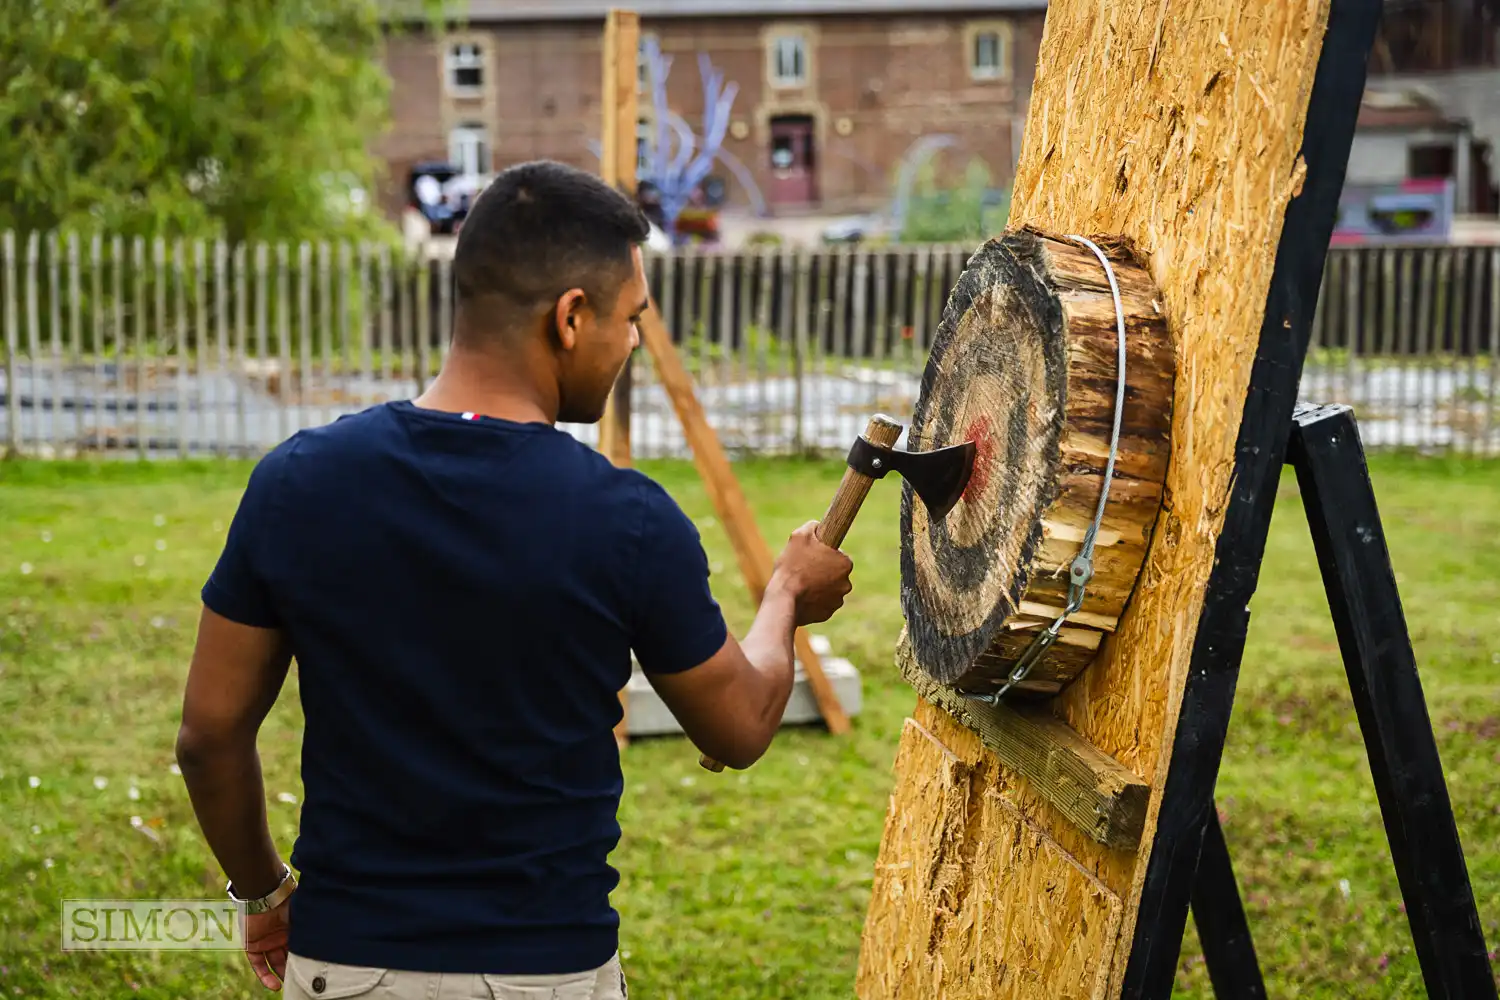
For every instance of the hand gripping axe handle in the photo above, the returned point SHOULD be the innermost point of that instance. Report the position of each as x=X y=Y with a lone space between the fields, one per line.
x=938 y=477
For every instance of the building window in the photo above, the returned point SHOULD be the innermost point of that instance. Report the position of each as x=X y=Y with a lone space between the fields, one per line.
x=989 y=51
x=788 y=61
x=465 y=68
x=469 y=149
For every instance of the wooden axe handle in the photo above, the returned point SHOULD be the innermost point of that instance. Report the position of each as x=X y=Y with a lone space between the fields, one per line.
x=881 y=431
x=850 y=496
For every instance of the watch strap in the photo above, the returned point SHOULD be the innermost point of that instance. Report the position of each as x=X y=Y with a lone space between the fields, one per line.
x=270 y=900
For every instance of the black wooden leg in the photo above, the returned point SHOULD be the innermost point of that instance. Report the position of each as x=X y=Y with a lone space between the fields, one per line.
x=1326 y=452
x=1220 y=917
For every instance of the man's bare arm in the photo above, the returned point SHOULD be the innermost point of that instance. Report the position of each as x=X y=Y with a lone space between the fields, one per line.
x=731 y=705
x=236 y=673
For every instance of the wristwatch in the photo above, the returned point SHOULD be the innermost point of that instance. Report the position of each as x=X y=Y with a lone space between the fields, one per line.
x=270 y=900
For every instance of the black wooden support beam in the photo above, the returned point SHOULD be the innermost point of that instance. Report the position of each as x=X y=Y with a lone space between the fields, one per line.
x=1219 y=915
x=1404 y=763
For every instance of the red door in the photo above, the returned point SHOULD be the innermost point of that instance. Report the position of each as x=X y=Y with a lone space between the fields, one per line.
x=792 y=160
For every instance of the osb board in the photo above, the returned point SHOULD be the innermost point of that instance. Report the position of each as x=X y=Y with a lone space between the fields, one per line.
x=963 y=836
x=1176 y=123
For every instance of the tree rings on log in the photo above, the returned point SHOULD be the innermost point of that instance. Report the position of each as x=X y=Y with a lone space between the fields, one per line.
x=1024 y=364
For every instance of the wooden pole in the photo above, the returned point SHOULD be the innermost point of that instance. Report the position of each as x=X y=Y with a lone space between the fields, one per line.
x=622 y=33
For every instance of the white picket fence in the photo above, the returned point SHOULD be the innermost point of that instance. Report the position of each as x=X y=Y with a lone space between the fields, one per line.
x=154 y=348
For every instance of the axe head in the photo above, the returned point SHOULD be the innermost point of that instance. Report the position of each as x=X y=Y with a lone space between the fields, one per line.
x=938 y=477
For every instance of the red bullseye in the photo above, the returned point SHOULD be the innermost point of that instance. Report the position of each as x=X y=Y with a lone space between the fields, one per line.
x=981 y=434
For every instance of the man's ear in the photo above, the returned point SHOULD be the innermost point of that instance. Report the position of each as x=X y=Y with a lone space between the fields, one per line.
x=571 y=309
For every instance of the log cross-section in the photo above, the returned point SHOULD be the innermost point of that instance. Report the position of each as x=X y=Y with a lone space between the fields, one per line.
x=1025 y=364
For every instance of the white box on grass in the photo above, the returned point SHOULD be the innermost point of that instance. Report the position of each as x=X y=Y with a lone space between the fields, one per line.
x=647 y=716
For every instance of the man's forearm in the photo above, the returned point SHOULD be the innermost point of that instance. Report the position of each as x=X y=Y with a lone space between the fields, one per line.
x=770 y=649
x=229 y=798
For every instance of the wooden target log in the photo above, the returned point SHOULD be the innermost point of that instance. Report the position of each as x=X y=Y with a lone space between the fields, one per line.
x=1024 y=364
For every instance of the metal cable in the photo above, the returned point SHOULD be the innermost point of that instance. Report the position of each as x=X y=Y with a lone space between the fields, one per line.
x=1081 y=571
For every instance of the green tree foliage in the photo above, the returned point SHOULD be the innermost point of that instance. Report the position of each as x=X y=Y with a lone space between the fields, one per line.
x=234 y=119
x=971 y=210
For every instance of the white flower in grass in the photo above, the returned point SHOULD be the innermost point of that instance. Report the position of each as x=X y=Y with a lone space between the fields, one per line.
x=174 y=769
x=140 y=560
x=134 y=793
x=158 y=621
x=46 y=536
x=46 y=862
x=161 y=545
x=218 y=525
x=286 y=797
x=100 y=782
x=34 y=781
x=26 y=569
x=688 y=781
x=160 y=520
x=136 y=822
x=35 y=830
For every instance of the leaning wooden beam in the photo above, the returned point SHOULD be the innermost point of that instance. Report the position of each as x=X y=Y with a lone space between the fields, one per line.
x=1095 y=793
x=1178 y=124
x=755 y=557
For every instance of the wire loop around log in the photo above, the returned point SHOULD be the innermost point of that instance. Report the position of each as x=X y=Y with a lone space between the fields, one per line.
x=1081 y=571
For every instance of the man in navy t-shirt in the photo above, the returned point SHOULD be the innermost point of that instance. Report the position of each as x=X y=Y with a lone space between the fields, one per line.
x=462 y=586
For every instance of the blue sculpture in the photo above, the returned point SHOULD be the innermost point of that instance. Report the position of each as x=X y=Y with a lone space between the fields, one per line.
x=674 y=159
x=675 y=173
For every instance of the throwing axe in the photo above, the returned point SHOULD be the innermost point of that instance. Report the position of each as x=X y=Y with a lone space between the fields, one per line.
x=938 y=478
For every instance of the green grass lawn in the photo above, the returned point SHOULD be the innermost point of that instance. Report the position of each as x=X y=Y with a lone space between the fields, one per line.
x=734 y=885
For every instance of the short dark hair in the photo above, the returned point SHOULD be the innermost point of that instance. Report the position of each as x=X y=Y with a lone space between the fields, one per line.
x=541 y=228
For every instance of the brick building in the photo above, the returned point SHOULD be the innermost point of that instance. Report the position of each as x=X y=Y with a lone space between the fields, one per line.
x=1433 y=107
x=831 y=93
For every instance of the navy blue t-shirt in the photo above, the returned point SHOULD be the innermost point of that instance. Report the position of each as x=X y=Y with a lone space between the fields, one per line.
x=462 y=596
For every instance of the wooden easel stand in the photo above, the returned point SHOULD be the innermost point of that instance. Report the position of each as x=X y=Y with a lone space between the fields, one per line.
x=1329 y=460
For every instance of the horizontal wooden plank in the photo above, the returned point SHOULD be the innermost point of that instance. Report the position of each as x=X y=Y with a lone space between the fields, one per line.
x=1095 y=792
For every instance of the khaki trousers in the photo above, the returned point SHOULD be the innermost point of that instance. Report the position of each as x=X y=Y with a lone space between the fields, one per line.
x=310 y=979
